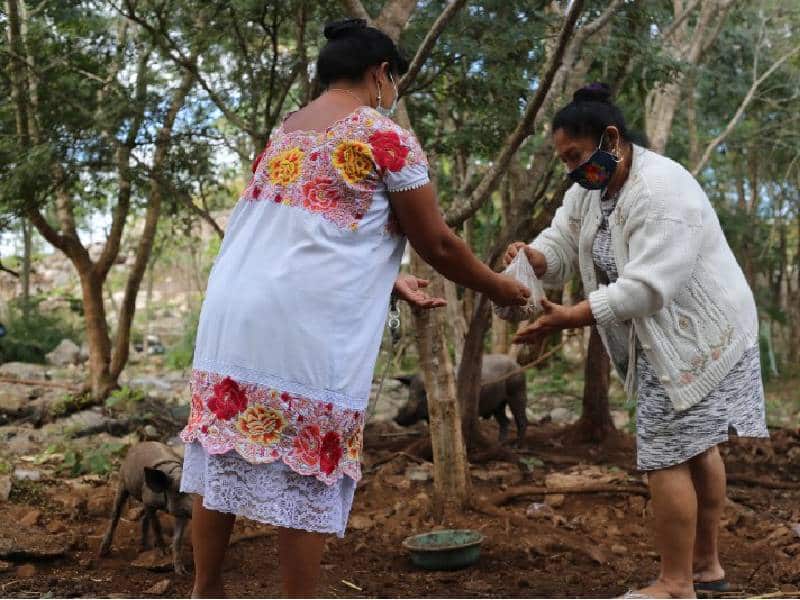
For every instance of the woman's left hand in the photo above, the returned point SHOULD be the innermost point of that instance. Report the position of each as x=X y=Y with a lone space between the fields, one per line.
x=555 y=318
x=409 y=288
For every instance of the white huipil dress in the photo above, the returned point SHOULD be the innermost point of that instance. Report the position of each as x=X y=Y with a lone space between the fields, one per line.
x=292 y=322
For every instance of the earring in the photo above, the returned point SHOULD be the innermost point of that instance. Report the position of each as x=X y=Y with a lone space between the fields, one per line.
x=380 y=103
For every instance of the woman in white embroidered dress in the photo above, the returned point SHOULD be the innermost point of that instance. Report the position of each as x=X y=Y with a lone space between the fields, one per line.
x=294 y=311
x=675 y=313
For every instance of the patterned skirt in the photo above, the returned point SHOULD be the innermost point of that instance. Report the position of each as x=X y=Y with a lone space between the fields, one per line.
x=269 y=493
x=666 y=437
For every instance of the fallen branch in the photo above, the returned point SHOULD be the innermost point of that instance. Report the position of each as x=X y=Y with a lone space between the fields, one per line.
x=394 y=456
x=764 y=483
x=37 y=382
x=534 y=490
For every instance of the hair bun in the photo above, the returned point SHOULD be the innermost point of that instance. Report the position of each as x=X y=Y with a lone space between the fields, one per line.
x=594 y=92
x=337 y=29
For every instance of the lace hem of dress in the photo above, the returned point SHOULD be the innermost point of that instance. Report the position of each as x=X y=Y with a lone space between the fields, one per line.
x=265 y=425
x=272 y=494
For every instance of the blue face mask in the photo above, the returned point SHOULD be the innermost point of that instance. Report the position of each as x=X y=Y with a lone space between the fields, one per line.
x=596 y=171
x=388 y=112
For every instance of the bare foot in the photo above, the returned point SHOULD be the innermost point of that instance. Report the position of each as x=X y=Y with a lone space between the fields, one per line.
x=660 y=589
x=209 y=592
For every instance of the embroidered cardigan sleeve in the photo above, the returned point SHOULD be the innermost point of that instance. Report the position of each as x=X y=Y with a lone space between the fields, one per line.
x=559 y=242
x=398 y=155
x=664 y=233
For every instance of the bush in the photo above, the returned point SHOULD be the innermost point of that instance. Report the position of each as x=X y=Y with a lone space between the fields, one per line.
x=30 y=339
x=180 y=355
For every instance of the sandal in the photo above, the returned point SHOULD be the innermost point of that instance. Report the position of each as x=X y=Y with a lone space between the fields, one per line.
x=708 y=588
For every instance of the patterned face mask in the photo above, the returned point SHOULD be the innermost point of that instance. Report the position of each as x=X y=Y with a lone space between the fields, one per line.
x=596 y=171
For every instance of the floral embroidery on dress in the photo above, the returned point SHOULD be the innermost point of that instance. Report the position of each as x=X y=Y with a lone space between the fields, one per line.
x=353 y=160
x=285 y=167
x=700 y=361
x=265 y=425
x=334 y=173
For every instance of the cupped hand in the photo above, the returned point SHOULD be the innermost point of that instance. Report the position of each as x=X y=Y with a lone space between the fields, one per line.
x=555 y=318
x=409 y=288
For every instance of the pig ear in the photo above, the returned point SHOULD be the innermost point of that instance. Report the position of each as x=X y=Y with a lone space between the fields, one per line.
x=156 y=480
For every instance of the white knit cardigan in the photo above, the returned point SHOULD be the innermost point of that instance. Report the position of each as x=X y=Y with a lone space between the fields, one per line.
x=680 y=289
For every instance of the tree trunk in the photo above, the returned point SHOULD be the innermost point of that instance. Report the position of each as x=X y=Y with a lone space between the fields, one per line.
x=451 y=487
x=469 y=372
x=97 y=336
x=596 y=423
x=26 y=268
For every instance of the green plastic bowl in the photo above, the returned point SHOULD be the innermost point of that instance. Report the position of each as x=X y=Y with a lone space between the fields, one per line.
x=445 y=550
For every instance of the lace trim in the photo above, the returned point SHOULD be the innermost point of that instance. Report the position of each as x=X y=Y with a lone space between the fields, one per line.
x=266 y=425
x=272 y=494
x=411 y=186
x=247 y=375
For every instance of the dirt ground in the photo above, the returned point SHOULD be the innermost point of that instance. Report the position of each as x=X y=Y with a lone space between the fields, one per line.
x=592 y=545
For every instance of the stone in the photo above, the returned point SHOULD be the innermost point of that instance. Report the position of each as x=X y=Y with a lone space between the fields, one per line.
x=153 y=560
x=561 y=415
x=26 y=570
x=5 y=487
x=27 y=474
x=20 y=370
x=66 y=353
x=419 y=472
x=13 y=402
x=31 y=518
x=360 y=522
x=150 y=432
x=620 y=418
x=619 y=549
x=159 y=588
x=55 y=527
x=5 y=566
x=554 y=500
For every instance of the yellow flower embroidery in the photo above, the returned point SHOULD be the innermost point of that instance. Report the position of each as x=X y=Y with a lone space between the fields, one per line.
x=285 y=167
x=353 y=160
x=262 y=425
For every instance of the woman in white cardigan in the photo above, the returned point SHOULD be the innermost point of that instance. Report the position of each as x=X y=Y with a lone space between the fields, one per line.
x=676 y=316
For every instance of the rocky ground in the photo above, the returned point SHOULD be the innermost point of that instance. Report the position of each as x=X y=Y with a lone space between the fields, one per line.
x=57 y=482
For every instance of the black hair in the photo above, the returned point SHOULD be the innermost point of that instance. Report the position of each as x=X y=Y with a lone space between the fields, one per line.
x=352 y=48
x=590 y=113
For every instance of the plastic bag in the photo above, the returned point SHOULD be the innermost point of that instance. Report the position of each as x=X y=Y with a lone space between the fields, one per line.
x=522 y=270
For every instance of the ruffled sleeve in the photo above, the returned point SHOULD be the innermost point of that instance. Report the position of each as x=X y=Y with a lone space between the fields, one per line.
x=398 y=156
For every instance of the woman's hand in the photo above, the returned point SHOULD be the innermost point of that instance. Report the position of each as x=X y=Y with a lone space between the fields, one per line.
x=507 y=291
x=535 y=257
x=409 y=288
x=555 y=318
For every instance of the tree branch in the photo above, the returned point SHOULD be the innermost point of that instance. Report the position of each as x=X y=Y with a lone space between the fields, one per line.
x=394 y=17
x=428 y=43
x=740 y=111
x=355 y=9
x=464 y=210
x=679 y=19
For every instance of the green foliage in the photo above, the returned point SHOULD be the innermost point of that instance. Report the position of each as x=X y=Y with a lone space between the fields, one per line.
x=181 y=354
x=99 y=461
x=29 y=339
x=124 y=400
x=71 y=403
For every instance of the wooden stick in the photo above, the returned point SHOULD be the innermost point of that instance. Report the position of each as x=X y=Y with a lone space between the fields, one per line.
x=534 y=490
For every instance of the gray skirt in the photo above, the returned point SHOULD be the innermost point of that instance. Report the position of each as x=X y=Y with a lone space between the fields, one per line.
x=666 y=437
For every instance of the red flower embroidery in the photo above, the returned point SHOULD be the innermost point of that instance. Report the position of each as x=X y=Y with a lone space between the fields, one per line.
x=258 y=158
x=331 y=452
x=388 y=150
x=229 y=399
x=286 y=397
x=320 y=194
x=595 y=174
x=307 y=445
x=278 y=198
x=256 y=191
